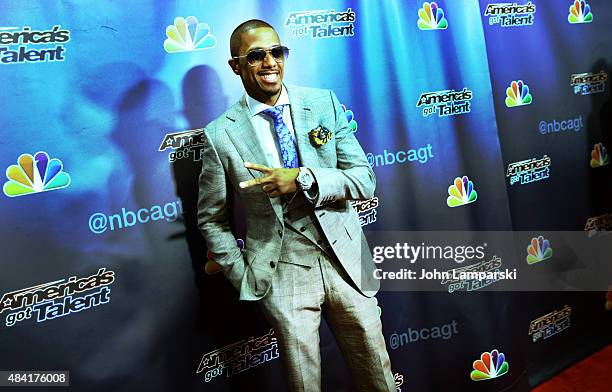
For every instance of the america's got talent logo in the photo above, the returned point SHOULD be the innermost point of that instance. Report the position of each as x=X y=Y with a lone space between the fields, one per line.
x=27 y=45
x=588 y=83
x=511 y=14
x=529 y=170
x=321 y=24
x=446 y=102
x=56 y=299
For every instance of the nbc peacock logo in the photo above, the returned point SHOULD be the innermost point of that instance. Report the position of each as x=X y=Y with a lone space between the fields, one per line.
x=580 y=12
x=461 y=192
x=35 y=174
x=188 y=35
x=599 y=156
x=518 y=94
x=431 y=17
x=350 y=117
x=538 y=250
x=490 y=365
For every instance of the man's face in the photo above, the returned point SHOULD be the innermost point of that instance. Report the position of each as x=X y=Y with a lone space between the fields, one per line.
x=264 y=81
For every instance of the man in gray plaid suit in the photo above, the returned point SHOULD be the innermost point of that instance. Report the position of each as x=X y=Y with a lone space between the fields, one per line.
x=288 y=152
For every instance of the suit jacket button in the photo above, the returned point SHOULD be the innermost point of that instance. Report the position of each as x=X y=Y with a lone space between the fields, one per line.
x=272 y=264
x=280 y=233
x=303 y=228
x=320 y=242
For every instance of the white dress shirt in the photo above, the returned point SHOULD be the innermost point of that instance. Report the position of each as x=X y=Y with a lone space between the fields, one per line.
x=266 y=134
x=264 y=126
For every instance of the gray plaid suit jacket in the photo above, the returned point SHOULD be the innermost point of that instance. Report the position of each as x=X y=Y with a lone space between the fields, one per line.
x=342 y=173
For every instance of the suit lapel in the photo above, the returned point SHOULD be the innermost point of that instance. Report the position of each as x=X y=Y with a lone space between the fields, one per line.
x=244 y=137
x=301 y=116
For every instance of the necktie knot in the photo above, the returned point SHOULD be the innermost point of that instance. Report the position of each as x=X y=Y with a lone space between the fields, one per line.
x=276 y=113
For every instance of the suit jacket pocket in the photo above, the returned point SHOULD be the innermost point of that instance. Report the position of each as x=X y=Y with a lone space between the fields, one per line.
x=353 y=229
x=242 y=176
x=250 y=256
x=258 y=279
x=327 y=154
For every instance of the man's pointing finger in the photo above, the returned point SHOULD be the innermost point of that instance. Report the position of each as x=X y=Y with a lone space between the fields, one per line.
x=255 y=181
x=260 y=168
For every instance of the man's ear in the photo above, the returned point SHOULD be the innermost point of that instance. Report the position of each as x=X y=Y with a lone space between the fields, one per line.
x=234 y=66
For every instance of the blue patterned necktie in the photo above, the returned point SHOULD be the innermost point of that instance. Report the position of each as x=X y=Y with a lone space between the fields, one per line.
x=285 y=139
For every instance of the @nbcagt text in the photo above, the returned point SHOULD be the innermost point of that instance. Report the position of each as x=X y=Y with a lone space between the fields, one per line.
x=99 y=222
x=556 y=126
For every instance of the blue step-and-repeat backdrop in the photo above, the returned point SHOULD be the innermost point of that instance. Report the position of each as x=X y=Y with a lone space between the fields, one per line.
x=474 y=115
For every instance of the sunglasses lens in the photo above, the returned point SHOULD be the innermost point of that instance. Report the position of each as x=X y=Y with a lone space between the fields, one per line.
x=256 y=56
x=279 y=52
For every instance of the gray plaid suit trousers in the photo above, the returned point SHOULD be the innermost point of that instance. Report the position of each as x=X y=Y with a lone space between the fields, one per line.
x=295 y=315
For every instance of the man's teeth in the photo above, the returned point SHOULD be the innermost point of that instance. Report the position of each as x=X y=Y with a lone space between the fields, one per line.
x=269 y=77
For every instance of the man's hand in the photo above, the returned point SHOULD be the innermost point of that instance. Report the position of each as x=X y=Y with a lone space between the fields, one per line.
x=275 y=182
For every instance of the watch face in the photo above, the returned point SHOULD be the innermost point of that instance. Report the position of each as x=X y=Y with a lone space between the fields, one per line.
x=305 y=180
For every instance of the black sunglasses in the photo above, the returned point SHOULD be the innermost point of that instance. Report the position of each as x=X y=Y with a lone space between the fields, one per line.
x=257 y=56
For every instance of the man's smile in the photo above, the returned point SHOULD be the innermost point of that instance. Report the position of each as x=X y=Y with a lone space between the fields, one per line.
x=269 y=77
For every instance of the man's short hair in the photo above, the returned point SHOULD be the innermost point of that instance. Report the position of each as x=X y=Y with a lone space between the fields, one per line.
x=236 y=37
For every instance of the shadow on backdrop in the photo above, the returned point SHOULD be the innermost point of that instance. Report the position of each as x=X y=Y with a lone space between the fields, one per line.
x=599 y=123
x=222 y=319
x=144 y=113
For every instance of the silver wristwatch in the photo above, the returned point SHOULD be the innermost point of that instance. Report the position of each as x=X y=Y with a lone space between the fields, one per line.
x=304 y=179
